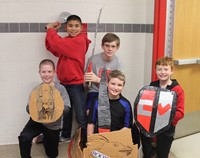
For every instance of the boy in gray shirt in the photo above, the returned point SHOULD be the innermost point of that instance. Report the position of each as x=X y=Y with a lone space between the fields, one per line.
x=50 y=131
x=107 y=59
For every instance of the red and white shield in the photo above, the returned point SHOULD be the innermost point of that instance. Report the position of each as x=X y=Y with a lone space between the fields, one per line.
x=154 y=109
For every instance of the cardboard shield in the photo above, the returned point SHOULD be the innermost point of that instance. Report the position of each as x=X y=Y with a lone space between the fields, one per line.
x=114 y=144
x=45 y=104
x=154 y=109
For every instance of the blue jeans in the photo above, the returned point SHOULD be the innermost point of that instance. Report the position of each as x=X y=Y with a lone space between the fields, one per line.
x=89 y=98
x=77 y=99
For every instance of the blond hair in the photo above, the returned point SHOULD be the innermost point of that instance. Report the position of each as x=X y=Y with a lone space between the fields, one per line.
x=117 y=74
x=47 y=62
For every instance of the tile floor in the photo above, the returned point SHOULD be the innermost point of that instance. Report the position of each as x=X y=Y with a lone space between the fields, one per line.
x=186 y=147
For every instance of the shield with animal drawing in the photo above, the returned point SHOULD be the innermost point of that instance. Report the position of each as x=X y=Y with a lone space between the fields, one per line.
x=116 y=144
x=45 y=104
x=154 y=109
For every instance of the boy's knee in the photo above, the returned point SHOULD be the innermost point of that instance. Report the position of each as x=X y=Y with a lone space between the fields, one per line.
x=24 y=138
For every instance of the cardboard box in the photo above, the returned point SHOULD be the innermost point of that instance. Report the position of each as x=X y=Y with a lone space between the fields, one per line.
x=117 y=144
x=74 y=150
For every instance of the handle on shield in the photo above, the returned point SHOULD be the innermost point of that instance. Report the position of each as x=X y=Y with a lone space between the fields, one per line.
x=89 y=70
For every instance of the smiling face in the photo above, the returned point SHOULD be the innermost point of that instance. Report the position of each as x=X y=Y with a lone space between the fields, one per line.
x=109 y=49
x=115 y=87
x=73 y=27
x=47 y=73
x=164 y=73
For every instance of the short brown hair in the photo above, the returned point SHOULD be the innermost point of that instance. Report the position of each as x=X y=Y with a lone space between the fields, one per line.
x=165 y=61
x=110 y=37
x=47 y=62
x=117 y=74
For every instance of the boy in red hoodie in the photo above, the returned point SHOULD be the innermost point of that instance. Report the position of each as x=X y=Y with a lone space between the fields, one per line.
x=164 y=70
x=71 y=52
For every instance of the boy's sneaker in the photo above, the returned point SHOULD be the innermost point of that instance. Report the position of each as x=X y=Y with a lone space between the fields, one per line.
x=39 y=139
x=63 y=139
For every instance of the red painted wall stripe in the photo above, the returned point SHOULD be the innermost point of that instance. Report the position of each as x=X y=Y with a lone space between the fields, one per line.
x=159 y=33
x=84 y=28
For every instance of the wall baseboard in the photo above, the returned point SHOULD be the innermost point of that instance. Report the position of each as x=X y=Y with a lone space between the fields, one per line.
x=188 y=125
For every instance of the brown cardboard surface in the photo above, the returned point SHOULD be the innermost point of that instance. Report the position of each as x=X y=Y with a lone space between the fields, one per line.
x=45 y=104
x=117 y=144
x=74 y=150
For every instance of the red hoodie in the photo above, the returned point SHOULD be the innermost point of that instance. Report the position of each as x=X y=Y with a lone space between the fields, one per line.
x=180 y=102
x=71 y=53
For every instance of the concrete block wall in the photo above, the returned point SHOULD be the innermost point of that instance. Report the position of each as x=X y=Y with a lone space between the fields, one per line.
x=22 y=48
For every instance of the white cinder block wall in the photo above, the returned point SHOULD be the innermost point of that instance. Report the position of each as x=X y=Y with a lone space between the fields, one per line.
x=21 y=52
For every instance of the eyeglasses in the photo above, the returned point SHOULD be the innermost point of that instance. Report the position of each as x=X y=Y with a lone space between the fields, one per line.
x=110 y=46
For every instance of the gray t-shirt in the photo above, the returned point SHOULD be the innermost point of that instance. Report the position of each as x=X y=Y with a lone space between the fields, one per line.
x=98 y=63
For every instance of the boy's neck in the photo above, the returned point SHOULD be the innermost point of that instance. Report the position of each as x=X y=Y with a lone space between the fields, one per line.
x=113 y=97
x=164 y=84
x=73 y=36
x=107 y=58
x=51 y=83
